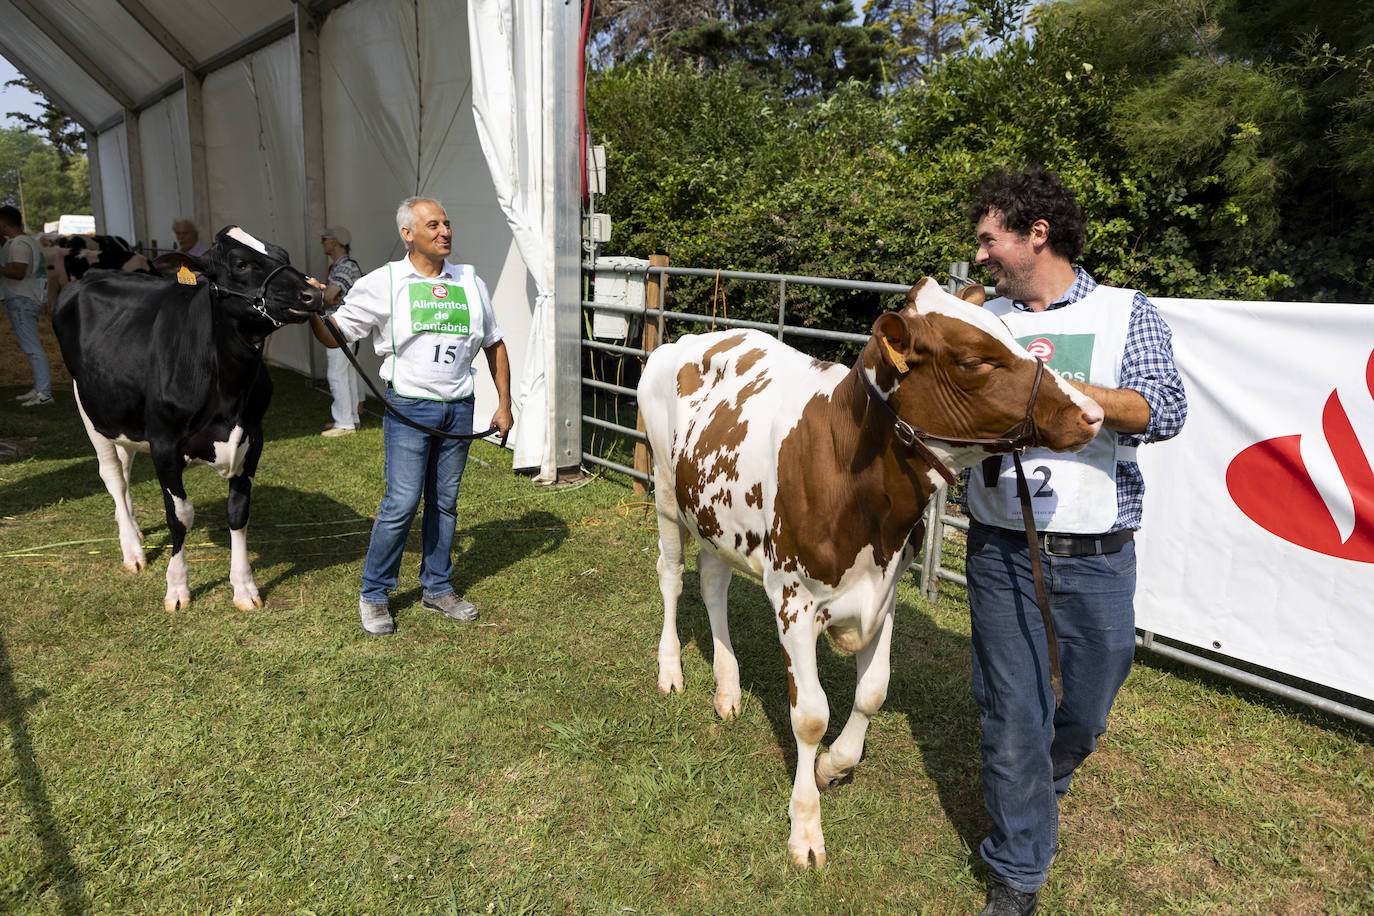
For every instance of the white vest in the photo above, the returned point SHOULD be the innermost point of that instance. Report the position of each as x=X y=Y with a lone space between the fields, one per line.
x=436 y=330
x=1074 y=492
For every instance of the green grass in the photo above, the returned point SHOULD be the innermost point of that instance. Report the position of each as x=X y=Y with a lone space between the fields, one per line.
x=278 y=761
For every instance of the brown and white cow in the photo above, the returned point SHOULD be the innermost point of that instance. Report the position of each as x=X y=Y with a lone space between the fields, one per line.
x=791 y=470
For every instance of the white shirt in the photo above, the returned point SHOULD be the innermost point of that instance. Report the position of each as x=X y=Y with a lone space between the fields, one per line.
x=428 y=330
x=23 y=249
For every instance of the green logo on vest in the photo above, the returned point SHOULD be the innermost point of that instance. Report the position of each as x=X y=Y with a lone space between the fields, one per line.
x=1069 y=355
x=438 y=308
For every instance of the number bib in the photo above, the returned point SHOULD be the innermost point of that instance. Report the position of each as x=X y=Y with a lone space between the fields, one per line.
x=1064 y=488
x=440 y=312
x=437 y=328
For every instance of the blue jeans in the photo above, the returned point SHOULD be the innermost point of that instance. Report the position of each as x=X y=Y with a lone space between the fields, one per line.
x=418 y=464
x=23 y=313
x=1029 y=749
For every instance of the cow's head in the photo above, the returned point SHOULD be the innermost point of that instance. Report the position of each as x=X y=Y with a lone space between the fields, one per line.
x=954 y=370
x=255 y=280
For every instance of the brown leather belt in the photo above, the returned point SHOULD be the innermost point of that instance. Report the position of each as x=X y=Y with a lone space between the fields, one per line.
x=1073 y=545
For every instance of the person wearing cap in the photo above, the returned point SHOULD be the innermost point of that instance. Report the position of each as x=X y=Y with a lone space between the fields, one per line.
x=343 y=380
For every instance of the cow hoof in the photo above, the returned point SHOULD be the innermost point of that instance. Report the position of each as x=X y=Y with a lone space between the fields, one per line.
x=806 y=859
x=827 y=777
x=727 y=708
x=176 y=603
x=670 y=681
x=251 y=603
x=135 y=566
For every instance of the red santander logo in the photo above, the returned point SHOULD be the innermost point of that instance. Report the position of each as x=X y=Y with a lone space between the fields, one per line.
x=1272 y=485
x=1041 y=348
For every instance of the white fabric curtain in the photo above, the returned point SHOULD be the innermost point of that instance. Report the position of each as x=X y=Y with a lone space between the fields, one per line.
x=511 y=79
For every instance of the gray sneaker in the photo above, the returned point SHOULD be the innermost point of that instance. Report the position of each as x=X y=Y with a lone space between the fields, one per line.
x=452 y=606
x=376 y=618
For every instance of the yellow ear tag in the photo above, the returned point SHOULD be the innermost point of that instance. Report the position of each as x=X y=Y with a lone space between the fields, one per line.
x=896 y=357
x=186 y=276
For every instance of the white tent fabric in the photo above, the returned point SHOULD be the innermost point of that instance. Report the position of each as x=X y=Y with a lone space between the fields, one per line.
x=227 y=113
x=509 y=83
x=165 y=149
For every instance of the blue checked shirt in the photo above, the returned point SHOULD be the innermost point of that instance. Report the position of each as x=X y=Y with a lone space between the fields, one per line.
x=1147 y=366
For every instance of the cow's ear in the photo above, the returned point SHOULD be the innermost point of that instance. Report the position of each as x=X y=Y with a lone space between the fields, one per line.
x=974 y=294
x=894 y=341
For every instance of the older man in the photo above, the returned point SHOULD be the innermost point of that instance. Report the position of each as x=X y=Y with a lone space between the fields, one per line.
x=429 y=317
x=188 y=238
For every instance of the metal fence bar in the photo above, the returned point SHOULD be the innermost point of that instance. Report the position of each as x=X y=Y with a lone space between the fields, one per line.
x=607 y=386
x=616 y=466
x=867 y=286
x=614 y=427
x=1146 y=641
x=782 y=307
x=612 y=348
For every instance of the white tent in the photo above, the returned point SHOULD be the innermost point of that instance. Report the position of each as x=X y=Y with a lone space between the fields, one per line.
x=288 y=117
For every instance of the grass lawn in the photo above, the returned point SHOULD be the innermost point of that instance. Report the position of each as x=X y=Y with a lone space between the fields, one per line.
x=279 y=761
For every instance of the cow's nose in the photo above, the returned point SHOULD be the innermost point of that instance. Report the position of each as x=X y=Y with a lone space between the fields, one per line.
x=311 y=299
x=1093 y=415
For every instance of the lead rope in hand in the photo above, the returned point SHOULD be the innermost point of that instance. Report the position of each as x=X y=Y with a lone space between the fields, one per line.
x=429 y=430
x=1038 y=573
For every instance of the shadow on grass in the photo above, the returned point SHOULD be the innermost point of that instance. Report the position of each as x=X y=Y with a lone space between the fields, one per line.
x=929 y=686
x=487 y=550
x=301 y=531
x=57 y=870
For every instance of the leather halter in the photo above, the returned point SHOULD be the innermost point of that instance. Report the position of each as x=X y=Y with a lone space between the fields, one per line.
x=1019 y=436
x=258 y=298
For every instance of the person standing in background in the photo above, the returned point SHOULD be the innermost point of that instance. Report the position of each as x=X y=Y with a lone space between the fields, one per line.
x=343 y=379
x=188 y=238
x=23 y=285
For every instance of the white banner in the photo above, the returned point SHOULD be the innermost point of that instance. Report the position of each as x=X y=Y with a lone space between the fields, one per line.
x=1258 y=537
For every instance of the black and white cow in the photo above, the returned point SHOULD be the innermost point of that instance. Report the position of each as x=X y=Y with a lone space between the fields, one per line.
x=69 y=257
x=177 y=370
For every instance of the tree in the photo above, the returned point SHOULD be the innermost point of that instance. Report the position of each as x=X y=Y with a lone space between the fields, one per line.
x=803 y=48
x=624 y=29
x=919 y=33
x=64 y=135
x=34 y=178
x=1261 y=112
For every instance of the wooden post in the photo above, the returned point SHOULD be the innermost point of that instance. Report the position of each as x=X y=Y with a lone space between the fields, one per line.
x=652 y=300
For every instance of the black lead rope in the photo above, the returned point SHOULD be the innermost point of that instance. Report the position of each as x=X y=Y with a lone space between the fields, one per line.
x=348 y=351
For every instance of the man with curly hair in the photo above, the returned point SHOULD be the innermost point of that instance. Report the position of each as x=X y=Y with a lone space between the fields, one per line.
x=1113 y=345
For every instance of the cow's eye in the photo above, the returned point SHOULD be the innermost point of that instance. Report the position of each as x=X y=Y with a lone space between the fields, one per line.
x=240 y=264
x=973 y=364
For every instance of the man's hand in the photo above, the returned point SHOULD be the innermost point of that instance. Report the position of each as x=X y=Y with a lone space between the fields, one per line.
x=1125 y=410
x=503 y=420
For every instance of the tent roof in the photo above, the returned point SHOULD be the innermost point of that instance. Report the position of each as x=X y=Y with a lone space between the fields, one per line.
x=97 y=58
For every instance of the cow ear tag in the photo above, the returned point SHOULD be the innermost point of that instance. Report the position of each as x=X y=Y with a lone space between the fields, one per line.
x=897 y=359
x=186 y=276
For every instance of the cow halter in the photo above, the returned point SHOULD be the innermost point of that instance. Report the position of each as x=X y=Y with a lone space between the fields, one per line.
x=256 y=299
x=1019 y=436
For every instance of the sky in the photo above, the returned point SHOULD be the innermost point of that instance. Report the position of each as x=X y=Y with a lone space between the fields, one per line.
x=12 y=98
